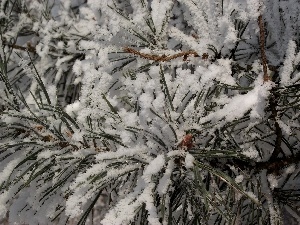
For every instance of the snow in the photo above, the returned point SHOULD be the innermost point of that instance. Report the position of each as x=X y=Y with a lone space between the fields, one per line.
x=239 y=179
x=287 y=69
x=251 y=153
x=139 y=10
x=252 y=195
x=8 y=170
x=253 y=101
x=3 y=207
x=153 y=168
x=189 y=161
x=285 y=127
x=165 y=181
x=159 y=10
x=73 y=107
x=273 y=181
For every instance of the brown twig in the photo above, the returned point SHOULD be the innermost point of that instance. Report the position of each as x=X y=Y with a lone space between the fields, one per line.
x=187 y=142
x=275 y=165
x=162 y=58
x=274 y=98
x=29 y=48
x=273 y=104
x=262 y=47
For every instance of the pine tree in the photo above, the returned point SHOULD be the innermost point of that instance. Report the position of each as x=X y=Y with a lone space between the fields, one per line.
x=149 y=112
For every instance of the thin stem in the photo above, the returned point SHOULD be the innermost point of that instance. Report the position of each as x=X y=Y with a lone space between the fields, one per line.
x=29 y=48
x=163 y=58
x=262 y=47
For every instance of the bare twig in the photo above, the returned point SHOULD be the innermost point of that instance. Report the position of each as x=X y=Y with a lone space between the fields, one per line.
x=262 y=47
x=275 y=165
x=162 y=58
x=273 y=106
x=29 y=48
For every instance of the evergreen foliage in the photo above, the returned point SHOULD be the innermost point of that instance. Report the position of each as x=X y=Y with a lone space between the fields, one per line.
x=150 y=112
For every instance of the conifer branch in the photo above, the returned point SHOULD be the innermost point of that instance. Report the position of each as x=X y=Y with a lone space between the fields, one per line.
x=160 y=143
